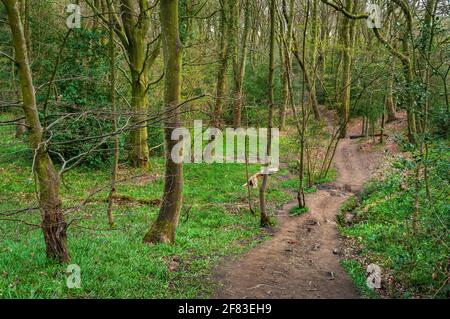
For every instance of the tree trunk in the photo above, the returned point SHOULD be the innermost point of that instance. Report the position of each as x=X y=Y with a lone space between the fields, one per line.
x=133 y=35
x=346 y=42
x=314 y=51
x=53 y=223
x=228 y=12
x=265 y=221
x=284 y=86
x=115 y=164
x=410 y=103
x=239 y=64
x=163 y=230
x=308 y=83
x=286 y=54
x=390 y=103
x=139 y=152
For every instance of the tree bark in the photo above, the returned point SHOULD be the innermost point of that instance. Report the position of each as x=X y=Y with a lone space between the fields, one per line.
x=286 y=54
x=265 y=220
x=164 y=228
x=227 y=43
x=314 y=52
x=139 y=69
x=390 y=103
x=347 y=46
x=239 y=64
x=53 y=223
x=131 y=27
x=115 y=164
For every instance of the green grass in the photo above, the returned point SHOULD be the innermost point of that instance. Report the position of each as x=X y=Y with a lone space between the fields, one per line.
x=297 y=211
x=417 y=262
x=293 y=182
x=349 y=205
x=358 y=274
x=116 y=263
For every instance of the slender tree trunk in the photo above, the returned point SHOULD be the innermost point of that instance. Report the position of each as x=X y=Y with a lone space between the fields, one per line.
x=346 y=42
x=221 y=73
x=139 y=152
x=25 y=16
x=164 y=228
x=408 y=71
x=308 y=82
x=239 y=64
x=115 y=164
x=227 y=19
x=21 y=127
x=427 y=34
x=284 y=85
x=132 y=31
x=314 y=50
x=53 y=223
x=390 y=103
x=286 y=59
x=265 y=221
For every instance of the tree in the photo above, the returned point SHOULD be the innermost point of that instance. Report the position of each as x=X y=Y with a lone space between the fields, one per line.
x=285 y=54
x=132 y=26
x=239 y=63
x=54 y=225
x=346 y=38
x=314 y=51
x=228 y=14
x=164 y=228
x=405 y=55
x=115 y=163
x=265 y=221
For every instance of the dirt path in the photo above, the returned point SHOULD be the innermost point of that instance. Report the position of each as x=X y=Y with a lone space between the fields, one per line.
x=302 y=258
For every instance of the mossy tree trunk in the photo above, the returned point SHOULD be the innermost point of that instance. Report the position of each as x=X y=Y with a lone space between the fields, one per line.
x=132 y=26
x=53 y=223
x=136 y=23
x=164 y=228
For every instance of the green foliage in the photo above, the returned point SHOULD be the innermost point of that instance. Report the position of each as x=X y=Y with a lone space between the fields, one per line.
x=297 y=211
x=440 y=120
x=116 y=263
x=349 y=205
x=358 y=275
x=384 y=224
x=256 y=96
x=86 y=97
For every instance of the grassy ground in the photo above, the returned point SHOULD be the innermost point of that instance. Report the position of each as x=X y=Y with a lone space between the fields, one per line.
x=116 y=263
x=413 y=264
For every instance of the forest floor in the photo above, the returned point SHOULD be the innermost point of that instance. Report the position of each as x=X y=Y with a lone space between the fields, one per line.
x=220 y=249
x=302 y=260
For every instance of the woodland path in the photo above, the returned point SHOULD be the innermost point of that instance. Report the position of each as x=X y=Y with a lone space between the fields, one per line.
x=301 y=260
